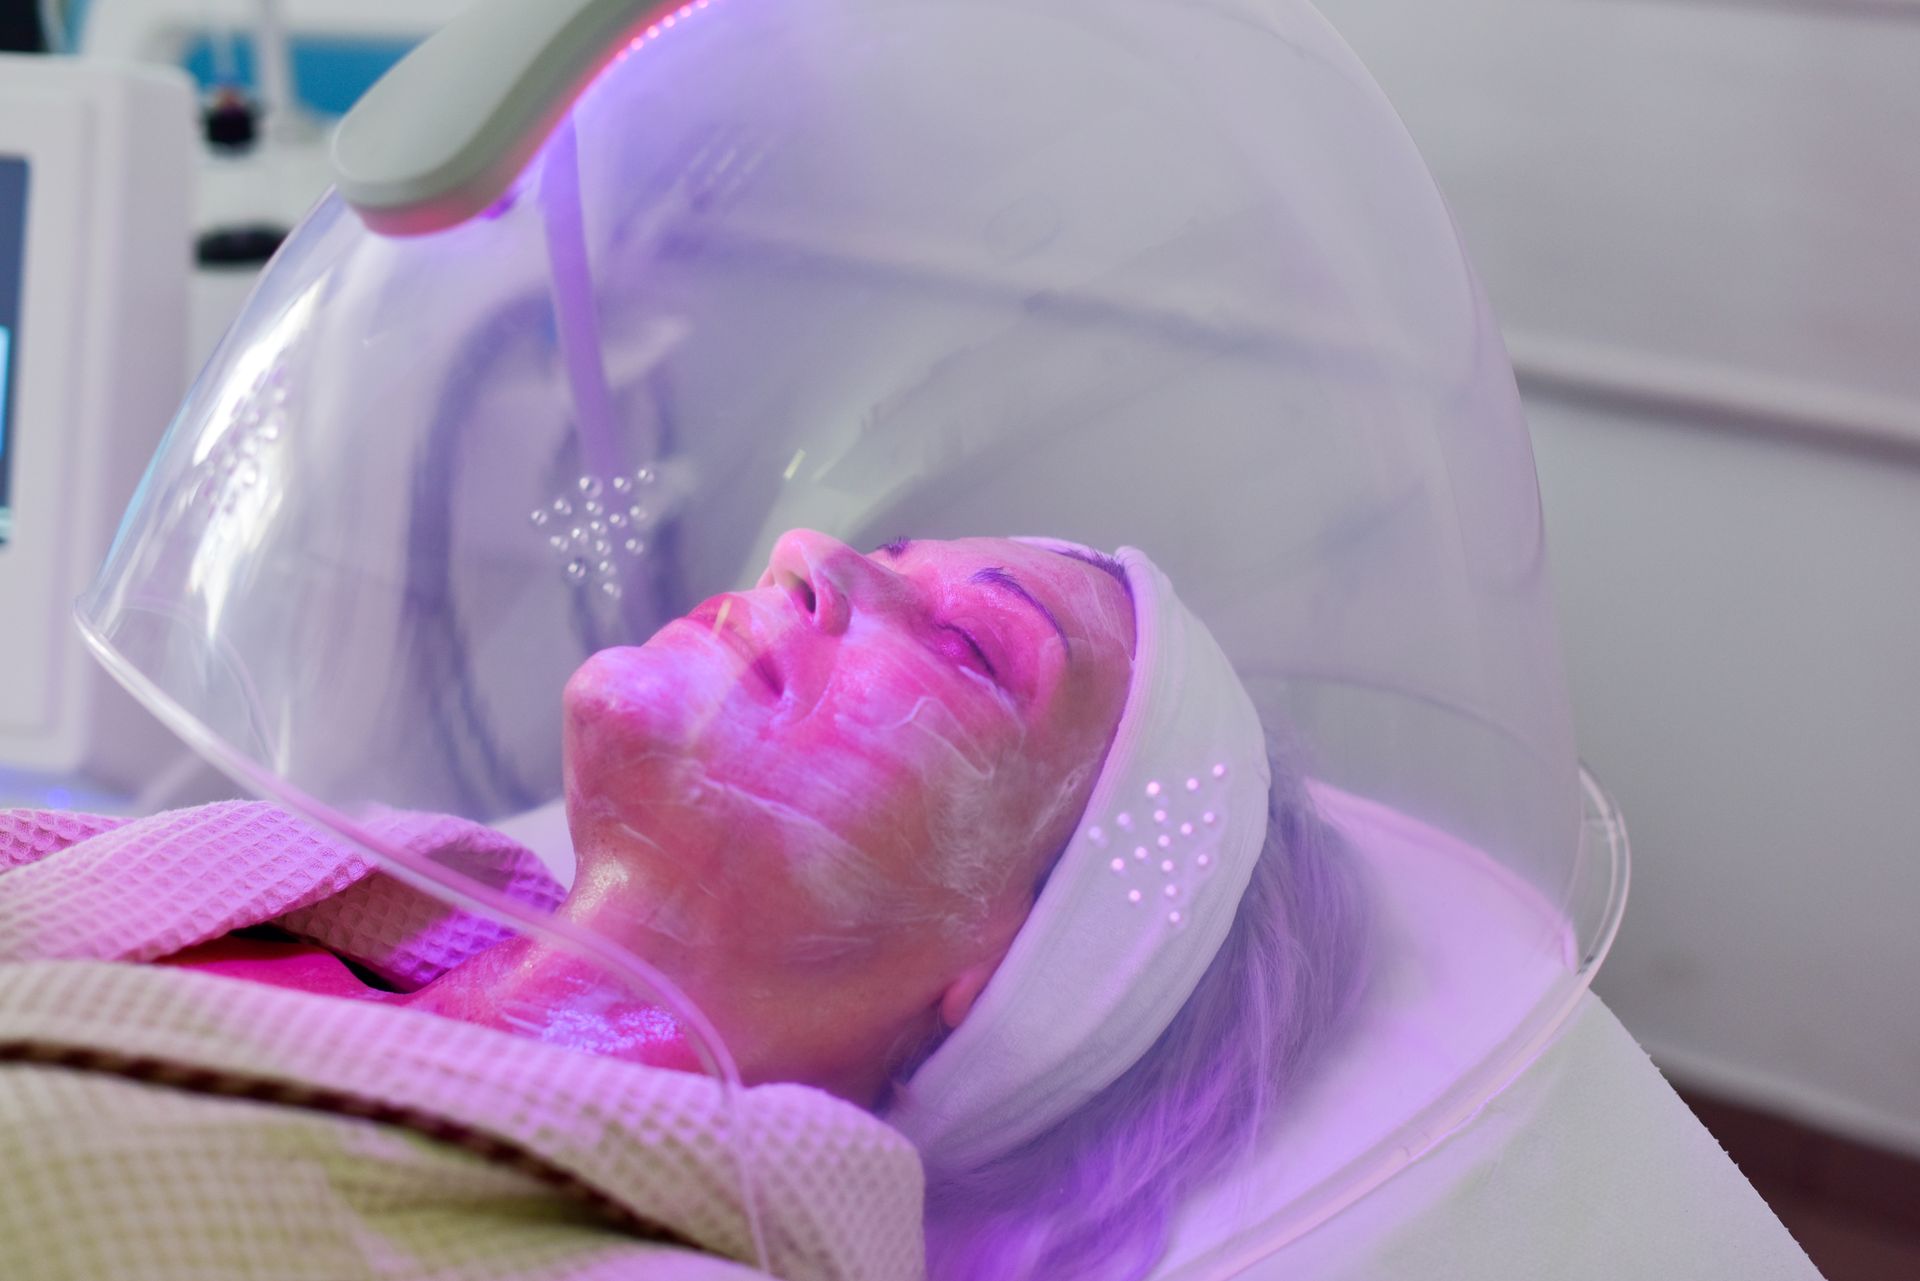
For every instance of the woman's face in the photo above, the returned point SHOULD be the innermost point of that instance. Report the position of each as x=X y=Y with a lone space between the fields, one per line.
x=866 y=756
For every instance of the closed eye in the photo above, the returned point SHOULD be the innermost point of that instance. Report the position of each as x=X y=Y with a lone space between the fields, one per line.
x=971 y=649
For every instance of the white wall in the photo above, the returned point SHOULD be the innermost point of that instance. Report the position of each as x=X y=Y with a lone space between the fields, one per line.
x=1700 y=225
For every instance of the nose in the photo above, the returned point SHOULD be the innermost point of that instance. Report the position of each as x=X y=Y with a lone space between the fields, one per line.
x=826 y=579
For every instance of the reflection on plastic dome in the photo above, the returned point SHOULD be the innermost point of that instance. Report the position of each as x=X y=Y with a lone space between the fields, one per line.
x=689 y=519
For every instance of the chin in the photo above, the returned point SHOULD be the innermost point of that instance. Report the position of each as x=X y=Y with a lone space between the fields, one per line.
x=635 y=714
x=624 y=703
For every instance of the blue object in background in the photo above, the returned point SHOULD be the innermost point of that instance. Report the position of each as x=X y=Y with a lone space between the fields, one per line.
x=13 y=249
x=329 y=74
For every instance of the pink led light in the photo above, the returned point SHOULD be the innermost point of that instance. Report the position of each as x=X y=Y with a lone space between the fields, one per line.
x=653 y=31
x=664 y=23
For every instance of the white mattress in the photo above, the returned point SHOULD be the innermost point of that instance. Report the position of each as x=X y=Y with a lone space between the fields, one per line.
x=1464 y=953
x=1588 y=1165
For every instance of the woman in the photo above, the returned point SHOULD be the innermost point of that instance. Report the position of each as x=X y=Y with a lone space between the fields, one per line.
x=878 y=817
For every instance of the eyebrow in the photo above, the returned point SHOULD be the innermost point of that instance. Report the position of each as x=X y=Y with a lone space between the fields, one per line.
x=997 y=576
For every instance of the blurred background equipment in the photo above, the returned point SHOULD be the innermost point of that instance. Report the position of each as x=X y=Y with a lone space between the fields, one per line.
x=273 y=74
x=95 y=192
x=145 y=179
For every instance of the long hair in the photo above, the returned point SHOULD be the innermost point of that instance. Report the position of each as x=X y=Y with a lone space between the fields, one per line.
x=1095 y=1196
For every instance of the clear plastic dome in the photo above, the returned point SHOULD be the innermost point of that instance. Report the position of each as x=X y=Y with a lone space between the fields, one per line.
x=1113 y=271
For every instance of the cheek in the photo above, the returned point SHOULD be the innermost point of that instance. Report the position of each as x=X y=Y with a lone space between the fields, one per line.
x=887 y=760
x=907 y=713
x=952 y=771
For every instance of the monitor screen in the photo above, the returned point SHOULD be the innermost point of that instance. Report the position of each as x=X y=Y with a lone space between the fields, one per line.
x=13 y=252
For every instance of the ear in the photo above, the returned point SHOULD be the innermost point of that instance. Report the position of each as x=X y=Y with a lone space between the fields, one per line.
x=957 y=1001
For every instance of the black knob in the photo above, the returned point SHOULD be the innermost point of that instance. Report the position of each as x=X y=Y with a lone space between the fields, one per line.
x=230 y=120
x=242 y=246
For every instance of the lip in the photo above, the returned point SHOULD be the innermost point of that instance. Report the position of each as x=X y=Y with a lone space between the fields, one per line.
x=729 y=620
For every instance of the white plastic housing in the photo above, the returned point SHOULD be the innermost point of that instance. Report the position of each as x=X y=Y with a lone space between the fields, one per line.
x=97 y=372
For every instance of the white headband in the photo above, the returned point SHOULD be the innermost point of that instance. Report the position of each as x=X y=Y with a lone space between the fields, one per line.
x=1132 y=914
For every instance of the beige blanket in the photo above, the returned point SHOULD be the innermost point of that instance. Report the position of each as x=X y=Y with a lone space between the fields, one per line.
x=159 y=1123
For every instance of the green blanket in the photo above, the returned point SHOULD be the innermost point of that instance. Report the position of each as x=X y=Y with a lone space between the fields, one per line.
x=161 y=1123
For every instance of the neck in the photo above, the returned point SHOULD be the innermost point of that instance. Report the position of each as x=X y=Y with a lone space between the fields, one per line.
x=837 y=1028
x=531 y=990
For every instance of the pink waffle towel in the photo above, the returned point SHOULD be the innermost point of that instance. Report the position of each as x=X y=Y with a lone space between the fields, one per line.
x=87 y=887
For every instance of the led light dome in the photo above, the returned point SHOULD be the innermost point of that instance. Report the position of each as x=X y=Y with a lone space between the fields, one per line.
x=1121 y=272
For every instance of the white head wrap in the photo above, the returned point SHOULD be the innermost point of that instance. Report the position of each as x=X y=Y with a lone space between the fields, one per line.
x=1133 y=913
